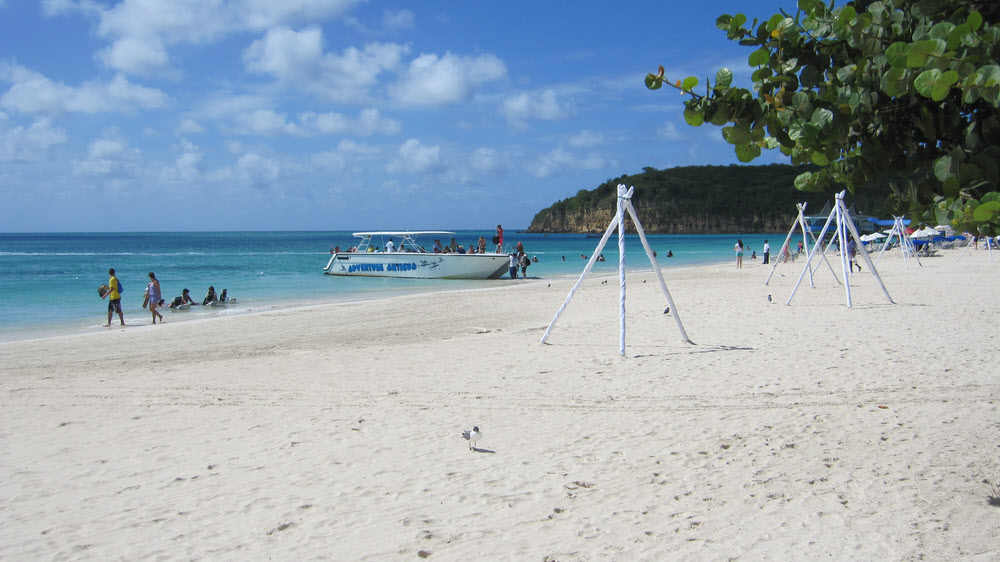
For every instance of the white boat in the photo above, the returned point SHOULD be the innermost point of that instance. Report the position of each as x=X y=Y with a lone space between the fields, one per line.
x=411 y=260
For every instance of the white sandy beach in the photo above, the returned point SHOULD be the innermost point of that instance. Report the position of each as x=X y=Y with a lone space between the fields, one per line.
x=786 y=433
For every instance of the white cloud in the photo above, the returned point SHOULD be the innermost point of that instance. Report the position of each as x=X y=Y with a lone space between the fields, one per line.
x=20 y=144
x=432 y=80
x=188 y=165
x=359 y=150
x=288 y=55
x=189 y=127
x=586 y=139
x=141 y=31
x=398 y=19
x=544 y=105
x=109 y=157
x=257 y=170
x=669 y=132
x=31 y=92
x=560 y=159
x=296 y=59
x=266 y=122
x=347 y=152
x=137 y=56
x=415 y=157
x=486 y=160
x=369 y=122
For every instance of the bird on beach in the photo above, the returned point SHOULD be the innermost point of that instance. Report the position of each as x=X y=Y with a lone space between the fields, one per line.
x=472 y=436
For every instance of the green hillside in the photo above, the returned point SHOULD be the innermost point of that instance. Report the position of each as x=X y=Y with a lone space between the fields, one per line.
x=702 y=199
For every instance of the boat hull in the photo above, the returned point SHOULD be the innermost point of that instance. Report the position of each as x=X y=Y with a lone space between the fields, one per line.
x=411 y=265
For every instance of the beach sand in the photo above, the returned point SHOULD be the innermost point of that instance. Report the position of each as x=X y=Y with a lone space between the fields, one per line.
x=786 y=432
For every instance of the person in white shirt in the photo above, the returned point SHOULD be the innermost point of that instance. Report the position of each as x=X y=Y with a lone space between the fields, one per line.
x=389 y=246
x=767 y=252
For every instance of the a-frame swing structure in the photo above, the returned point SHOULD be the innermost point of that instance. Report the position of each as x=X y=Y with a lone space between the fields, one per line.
x=906 y=245
x=845 y=228
x=989 y=246
x=800 y=223
x=624 y=204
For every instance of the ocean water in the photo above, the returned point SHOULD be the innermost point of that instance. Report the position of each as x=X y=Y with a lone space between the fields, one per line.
x=48 y=282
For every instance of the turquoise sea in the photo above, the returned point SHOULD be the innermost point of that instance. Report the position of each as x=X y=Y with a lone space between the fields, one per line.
x=48 y=281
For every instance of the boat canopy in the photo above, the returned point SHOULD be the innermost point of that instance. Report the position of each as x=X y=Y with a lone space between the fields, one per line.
x=402 y=233
x=407 y=239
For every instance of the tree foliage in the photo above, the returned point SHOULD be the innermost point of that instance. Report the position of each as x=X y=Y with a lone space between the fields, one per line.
x=873 y=89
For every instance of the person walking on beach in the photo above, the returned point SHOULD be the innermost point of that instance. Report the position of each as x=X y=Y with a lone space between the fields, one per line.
x=115 y=304
x=852 y=253
x=154 y=297
x=739 y=253
x=767 y=252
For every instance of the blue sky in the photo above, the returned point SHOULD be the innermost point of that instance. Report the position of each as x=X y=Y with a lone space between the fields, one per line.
x=157 y=115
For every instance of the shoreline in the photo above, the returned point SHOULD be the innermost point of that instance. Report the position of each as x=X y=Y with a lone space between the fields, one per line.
x=56 y=330
x=784 y=432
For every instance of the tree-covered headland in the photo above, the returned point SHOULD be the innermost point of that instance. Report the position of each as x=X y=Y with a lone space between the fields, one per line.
x=702 y=200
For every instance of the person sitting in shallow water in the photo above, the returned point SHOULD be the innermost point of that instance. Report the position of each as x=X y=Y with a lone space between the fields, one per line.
x=210 y=296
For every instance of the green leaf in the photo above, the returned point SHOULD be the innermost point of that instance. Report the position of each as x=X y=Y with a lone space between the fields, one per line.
x=941 y=30
x=820 y=159
x=801 y=103
x=891 y=81
x=846 y=74
x=821 y=117
x=942 y=168
x=689 y=83
x=653 y=83
x=804 y=181
x=895 y=55
x=985 y=211
x=957 y=35
x=951 y=186
x=926 y=80
x=991 y=196
x=943 y=85
x=974 y=20
x=747 y=152
x=809 y=76
x=721 y=115
x=693 y=117
x=736 y=135
x=760 y=57
x=723 y=78
x=919 y=52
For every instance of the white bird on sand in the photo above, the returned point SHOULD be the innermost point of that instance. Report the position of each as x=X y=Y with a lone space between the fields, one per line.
x=472 y=436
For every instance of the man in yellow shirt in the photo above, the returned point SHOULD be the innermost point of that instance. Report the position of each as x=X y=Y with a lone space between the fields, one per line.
x=115 y=304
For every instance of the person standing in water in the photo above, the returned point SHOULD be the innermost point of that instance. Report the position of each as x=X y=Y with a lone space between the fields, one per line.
x=739 y=253
x=154 y=297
